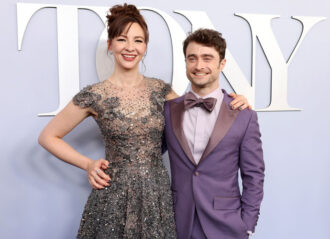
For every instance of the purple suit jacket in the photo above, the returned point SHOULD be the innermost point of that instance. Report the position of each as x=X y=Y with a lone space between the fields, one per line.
x=211 y=187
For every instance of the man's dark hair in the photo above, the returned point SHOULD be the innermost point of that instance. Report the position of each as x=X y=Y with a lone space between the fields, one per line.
x=208 y=38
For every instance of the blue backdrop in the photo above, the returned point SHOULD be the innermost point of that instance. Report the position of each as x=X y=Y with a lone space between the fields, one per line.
x=42 y=197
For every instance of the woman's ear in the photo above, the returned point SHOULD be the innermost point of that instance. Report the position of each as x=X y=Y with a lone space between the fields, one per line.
x=109 y=45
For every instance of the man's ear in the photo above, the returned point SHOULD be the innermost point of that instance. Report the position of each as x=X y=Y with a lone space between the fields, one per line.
x=222 y=63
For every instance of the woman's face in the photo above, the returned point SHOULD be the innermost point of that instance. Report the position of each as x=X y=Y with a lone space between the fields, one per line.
x=129 y=47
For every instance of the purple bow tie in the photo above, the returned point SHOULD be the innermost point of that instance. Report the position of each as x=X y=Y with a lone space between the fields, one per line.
x=190 y=100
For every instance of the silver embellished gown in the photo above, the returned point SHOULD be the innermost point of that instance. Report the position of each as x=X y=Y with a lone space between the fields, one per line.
x=138 y=202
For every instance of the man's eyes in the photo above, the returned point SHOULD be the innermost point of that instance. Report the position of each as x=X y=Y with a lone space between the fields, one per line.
x=207 y=59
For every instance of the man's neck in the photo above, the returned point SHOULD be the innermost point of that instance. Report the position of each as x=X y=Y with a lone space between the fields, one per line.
x=204 y=91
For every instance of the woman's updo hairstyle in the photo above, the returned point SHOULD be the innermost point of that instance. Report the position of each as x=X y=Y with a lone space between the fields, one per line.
x=120 y=16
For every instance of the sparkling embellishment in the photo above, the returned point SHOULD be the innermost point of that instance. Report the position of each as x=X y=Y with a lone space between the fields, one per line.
x=138 y=203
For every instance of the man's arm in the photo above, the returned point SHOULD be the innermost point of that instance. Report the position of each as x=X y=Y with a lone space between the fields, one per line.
x=252 y=169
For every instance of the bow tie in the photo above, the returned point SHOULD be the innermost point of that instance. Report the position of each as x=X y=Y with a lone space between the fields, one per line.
x=190 y=101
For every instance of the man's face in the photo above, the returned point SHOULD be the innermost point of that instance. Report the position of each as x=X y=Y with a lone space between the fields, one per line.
x=203 y=66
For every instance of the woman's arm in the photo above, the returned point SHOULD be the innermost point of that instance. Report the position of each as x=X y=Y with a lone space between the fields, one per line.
x=171 y=95
x=51 y=139
x=238 y=102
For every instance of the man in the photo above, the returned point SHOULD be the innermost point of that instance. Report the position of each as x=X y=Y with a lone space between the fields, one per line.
x=208 y=143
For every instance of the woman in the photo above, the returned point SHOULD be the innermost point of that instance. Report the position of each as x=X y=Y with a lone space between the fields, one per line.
x=131 y=196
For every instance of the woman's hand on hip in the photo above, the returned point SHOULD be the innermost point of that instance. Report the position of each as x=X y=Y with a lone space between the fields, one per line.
x=97 y=178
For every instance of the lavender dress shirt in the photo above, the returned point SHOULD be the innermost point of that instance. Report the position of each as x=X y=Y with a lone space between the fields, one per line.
x=198 y=124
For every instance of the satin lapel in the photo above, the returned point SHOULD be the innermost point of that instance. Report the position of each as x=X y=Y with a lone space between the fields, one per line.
x=224 y=121
x=177 y=112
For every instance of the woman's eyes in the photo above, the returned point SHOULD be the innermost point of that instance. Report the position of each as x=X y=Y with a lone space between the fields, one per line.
x=123 y=40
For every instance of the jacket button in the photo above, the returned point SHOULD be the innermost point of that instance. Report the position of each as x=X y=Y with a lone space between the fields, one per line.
x=196 y=173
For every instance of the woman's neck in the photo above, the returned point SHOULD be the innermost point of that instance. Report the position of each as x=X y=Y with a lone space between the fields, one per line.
x=126 y=78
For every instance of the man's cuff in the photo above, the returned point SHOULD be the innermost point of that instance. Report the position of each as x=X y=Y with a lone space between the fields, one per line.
x=250 y=233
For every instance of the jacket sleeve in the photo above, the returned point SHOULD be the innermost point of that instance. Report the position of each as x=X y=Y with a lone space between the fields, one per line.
x=252 y=169
x=164 y=143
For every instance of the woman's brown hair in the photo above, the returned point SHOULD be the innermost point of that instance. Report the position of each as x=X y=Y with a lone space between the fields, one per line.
x=122 y=15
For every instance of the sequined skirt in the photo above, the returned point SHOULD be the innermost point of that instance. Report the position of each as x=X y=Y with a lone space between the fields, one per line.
x=137 y=204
